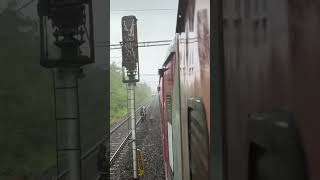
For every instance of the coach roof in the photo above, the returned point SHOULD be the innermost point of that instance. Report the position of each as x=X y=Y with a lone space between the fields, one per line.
x=171 y=50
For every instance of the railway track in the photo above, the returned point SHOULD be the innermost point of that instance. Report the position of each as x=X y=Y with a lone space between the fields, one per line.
x=120 y=135
x=148 y=139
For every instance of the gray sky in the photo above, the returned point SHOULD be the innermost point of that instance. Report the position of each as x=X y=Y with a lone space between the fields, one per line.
x=152 y=25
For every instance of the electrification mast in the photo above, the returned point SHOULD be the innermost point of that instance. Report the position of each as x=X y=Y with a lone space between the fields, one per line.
x=130 y=74
x=65 y=26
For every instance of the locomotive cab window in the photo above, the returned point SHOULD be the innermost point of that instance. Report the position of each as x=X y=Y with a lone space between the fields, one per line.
x=198 y=139
x=169 y=107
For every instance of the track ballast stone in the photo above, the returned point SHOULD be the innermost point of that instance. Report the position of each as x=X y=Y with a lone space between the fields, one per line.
x=148 y=138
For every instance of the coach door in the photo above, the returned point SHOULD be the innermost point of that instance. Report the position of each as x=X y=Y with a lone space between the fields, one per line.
x=198 y=139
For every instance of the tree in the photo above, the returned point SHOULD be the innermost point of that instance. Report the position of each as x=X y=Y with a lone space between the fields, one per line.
x=118 y=94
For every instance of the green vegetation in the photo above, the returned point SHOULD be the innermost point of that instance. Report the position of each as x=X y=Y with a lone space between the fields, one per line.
x=118 y=94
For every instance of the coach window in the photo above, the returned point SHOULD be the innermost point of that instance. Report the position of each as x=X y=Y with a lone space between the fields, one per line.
x=191 y=14
x=198 y=139
x=169 y=106
x=169 y=112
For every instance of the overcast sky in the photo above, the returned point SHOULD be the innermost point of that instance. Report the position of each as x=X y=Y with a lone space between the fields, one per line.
x=153 y=24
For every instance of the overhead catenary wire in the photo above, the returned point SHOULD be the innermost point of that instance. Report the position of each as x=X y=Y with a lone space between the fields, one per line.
x=143 y=46
x=117 y=10
x=148 y=45
x=114 y=48
x=140 y=44
x=143 y=42
x=155 y=81
x=149 y=74
x=132 y=10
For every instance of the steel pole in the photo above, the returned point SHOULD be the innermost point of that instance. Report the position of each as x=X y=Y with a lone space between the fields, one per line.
x=131 y=98
x=70 y=125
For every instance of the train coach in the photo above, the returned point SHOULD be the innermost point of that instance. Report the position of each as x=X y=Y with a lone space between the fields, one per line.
x=265 y=122
x=185 y=94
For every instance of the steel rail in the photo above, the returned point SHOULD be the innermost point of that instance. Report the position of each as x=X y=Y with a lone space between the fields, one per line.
x=116 y=153
x=125 y=120
x=119 y=149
